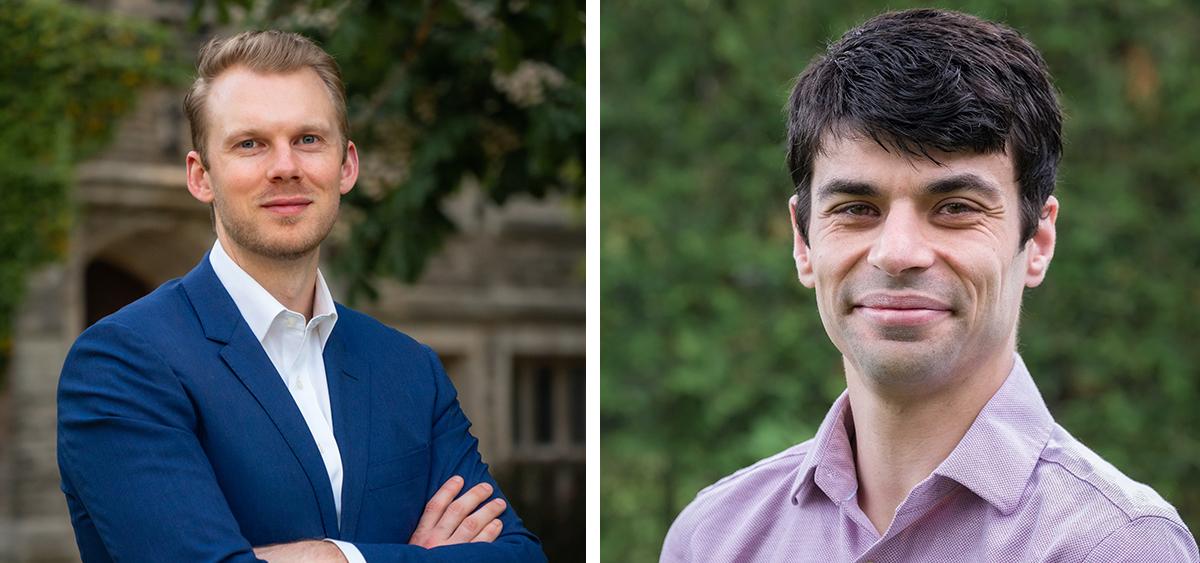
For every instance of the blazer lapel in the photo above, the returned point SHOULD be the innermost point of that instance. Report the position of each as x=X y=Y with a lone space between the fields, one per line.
x=349 y=400
x=244 y=355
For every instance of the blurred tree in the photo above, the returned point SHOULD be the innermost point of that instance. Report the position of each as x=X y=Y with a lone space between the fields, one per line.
x=442 y=94
x=66 y=75
x=713 y=355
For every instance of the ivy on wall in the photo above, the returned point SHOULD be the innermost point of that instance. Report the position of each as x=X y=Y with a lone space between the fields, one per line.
x=66 y=75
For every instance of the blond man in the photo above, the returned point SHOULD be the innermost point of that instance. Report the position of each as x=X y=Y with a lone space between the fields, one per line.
x=239 y=413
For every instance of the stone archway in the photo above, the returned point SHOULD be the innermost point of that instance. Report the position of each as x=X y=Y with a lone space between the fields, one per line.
x=134 y=264
x=108 y=287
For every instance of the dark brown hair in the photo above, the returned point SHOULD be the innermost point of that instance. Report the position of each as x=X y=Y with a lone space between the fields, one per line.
x=925 y=79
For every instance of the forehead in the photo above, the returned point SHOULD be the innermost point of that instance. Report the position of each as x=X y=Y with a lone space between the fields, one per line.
x=240 y=98
x=859 y=159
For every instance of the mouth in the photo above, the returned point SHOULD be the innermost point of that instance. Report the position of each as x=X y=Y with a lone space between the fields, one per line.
x=287 y=206
x=901 y=309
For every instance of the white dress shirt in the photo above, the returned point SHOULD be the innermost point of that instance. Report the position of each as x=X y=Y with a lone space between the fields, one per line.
x=295 y=348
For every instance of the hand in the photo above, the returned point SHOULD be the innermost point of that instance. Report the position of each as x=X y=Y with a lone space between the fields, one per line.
x=302 y=551
x=447 y=523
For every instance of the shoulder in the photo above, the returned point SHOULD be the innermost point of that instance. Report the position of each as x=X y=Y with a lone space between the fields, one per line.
x=152 y=309
x=1149 y=539
x=370 y=333
x=1075 y=466
x=125 y=365
x=387 y=348
x=1101 y=499
x=157 y=316
x=778 y=468
x=734 y=498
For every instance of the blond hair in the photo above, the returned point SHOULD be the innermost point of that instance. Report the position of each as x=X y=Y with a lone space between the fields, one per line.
x=270 y=51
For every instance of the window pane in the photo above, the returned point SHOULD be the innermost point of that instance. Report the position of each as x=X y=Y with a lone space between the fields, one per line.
x=544 y=401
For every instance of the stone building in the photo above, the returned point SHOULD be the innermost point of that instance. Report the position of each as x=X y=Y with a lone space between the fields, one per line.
x=502 y=304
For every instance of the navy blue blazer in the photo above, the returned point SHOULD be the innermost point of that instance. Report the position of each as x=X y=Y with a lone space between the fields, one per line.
x=178 y=440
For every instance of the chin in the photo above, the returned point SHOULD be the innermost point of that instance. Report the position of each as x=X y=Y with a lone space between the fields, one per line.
x=902 y=364
x=292 y=251
x=281 y=246
x=289 y=242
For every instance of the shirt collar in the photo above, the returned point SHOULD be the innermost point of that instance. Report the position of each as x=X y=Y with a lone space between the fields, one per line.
x=324 y=310
x=994 y=459
x=829 y=464
x=997 y=455
x=258 y=306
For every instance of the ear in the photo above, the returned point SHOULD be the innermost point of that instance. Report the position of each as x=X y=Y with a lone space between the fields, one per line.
x=800 y=250
x=1039 y=250
x=349 y=169
x=198 y=181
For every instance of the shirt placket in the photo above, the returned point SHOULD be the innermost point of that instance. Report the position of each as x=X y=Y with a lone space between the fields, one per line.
x=303 y=391
x=919 y=503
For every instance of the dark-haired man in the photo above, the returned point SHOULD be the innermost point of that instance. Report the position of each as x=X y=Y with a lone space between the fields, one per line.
x=923 y=148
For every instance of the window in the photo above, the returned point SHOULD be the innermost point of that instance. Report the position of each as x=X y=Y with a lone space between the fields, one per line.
x=545 y=476
x=548 y=409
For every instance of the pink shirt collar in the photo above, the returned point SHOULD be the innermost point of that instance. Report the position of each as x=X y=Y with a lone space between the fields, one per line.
x=1010 y=432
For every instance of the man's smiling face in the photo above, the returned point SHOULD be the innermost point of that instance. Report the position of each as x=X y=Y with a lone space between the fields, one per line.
x=277 y=164
x=916 y=264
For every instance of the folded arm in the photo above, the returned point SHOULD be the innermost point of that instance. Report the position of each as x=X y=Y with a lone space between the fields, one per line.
x=445 y=521
x=456 y=453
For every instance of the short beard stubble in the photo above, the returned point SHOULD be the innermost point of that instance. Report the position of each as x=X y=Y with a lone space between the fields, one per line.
x=250 y=236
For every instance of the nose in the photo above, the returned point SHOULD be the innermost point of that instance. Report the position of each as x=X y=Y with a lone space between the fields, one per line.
x=901 y=244
x=284 y=167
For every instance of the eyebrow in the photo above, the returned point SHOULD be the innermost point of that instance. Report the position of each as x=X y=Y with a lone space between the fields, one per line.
x=965 y=182
x=838 y=186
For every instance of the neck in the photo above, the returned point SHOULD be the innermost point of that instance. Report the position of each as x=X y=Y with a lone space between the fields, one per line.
x=900 y=440
x=291 y=282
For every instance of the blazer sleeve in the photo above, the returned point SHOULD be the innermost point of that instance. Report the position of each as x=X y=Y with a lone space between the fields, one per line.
x=140 y=485
x=455 y=452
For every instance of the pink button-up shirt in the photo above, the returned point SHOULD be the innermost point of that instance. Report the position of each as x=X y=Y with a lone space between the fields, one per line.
x=1017 y=487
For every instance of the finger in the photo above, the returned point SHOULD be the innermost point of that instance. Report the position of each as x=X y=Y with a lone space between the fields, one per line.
x=490 y=532
x=475 y=523
x=460 y=509
x=436 y=507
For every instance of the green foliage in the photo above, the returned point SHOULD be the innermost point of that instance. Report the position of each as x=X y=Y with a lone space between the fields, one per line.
x=67 y=74
x=442 y=94
x=714 y=356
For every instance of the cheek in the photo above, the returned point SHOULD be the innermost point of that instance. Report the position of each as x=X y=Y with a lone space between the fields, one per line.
x=988 y=279
x=237 y=178
x=323 y=169
x=1014 y=280
x=834 y=270
x=834 y=259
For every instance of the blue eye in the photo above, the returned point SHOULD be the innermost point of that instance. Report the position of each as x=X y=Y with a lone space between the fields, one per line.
x=247 y=144
x=308 y=139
